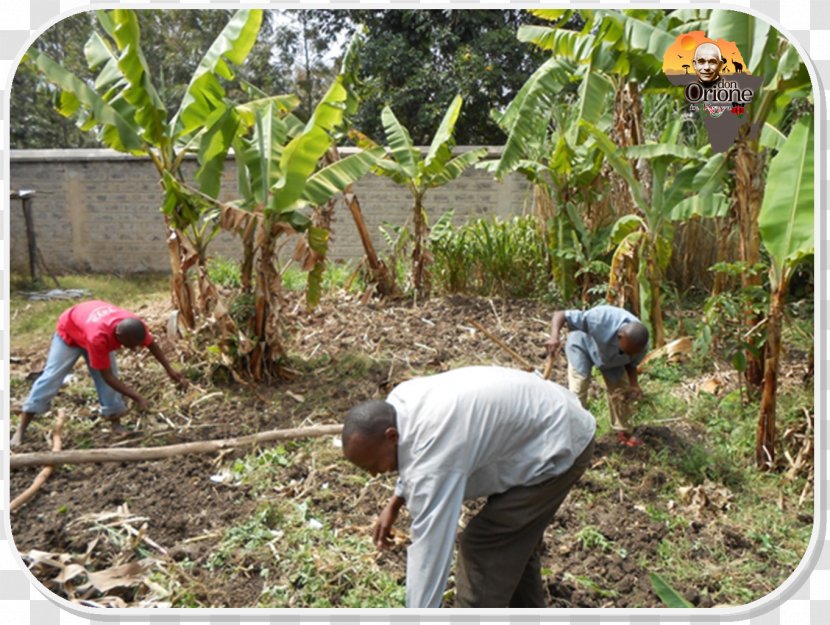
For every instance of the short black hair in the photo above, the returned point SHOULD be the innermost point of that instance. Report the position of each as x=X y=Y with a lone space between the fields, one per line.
x=131 y=331
x=635 y=332
x=370 y=419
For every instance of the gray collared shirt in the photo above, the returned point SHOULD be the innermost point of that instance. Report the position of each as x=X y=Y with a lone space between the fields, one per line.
x=474 y=432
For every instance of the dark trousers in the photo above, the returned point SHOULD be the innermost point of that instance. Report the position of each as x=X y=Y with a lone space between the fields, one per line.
x=499 y=552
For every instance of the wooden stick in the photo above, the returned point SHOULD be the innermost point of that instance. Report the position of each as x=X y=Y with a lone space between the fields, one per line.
x=502 y=344
x=548 y=367
x=44 y=474
x=139 y=454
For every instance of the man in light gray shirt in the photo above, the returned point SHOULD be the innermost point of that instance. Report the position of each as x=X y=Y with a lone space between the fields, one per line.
x=615 y=342
x=504 y=434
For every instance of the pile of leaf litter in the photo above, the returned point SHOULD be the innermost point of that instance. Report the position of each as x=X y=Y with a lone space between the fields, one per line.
x=289 y=525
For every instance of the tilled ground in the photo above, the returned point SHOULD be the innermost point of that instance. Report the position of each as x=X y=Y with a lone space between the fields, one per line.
x=344 y=352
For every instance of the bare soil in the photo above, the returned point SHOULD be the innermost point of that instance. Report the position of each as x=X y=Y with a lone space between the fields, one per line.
x=344 y=352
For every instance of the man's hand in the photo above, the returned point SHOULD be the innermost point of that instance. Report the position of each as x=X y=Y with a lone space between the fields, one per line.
x=382 y=530
x=141 y=404
x=178 y=378
x=553 y=345
x=634 y=393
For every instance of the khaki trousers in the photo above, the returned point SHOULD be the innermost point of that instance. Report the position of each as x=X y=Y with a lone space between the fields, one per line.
x=499 y=552
x=618 y=406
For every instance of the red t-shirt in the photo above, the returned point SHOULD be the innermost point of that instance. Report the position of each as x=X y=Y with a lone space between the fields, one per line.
x=91 y=326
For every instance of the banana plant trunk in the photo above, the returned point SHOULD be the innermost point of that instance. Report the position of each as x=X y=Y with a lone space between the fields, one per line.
x=268 y=347
x=656 y=309
x=724 y=228
x=379 y=272
x=246 y=269
x=749 y=194
x=765 y=436
x=419 y=255
x=180 y=287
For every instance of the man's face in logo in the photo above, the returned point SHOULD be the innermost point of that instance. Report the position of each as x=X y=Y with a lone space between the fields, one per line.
x=707 y=62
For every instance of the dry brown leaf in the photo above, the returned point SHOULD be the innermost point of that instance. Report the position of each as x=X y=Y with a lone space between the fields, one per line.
x=672 y=350
x=121 y=576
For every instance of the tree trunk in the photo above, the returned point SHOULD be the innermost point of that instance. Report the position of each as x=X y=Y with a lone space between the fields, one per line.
x=765 y=436
x=141 y=454
x=749 y=193
x=379 y=274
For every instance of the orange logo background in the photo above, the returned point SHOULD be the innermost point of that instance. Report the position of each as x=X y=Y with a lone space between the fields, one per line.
x=681 y=52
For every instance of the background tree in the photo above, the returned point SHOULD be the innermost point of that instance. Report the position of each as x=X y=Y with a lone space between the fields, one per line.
x=34 y=122
x=415 y=61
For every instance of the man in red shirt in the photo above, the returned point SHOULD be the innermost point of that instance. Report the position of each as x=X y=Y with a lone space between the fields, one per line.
x=94 y=330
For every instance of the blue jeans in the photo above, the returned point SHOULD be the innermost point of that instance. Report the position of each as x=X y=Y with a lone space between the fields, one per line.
x=59 y=364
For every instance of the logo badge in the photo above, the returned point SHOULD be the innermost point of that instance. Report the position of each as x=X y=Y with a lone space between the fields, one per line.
x=715 y=81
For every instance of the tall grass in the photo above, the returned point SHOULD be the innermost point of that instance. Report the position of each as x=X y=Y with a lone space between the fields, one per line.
x=490 y=256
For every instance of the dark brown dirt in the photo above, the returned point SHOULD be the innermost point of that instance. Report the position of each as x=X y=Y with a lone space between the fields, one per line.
x=343 y=352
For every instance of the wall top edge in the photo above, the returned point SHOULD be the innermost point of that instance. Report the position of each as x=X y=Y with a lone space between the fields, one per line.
x=103 y=154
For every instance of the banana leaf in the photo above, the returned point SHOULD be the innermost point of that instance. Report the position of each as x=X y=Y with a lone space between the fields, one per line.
x=204 y=93
x=324 y=184
x=786 y=217
x=400 y=143
x=440 y=148
x=119 y=132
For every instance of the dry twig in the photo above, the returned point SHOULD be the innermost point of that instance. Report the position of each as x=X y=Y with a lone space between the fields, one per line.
x=44 y=474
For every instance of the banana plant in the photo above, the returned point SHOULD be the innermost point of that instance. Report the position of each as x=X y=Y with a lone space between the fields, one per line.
x=786 y=228
x=564 y=179
x=123 y=107
x=684 y=182
x=785 y=78
x=597 y=71
x=281 y=178
x=407 y=167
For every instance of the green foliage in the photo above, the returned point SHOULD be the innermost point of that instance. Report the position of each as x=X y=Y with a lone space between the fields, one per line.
x=490 y=256
x=589 y=537
x=224 y=272
x=667 y=593
x=415 y=61
x=307 y=558
x=589 y=584
x=723 y=330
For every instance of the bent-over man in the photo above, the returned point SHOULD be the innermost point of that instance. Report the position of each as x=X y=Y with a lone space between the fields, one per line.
x=612 y=340
x=94 y=330
x=504 y=434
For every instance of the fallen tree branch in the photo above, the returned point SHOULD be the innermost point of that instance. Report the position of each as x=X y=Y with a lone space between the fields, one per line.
x=81 y=456
x=519 y=358
x=41 y=478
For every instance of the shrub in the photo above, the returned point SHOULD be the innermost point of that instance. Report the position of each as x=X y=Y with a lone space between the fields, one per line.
x=490 y=256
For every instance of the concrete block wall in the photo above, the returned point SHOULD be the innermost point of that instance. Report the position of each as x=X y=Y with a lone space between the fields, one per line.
x=98 y=210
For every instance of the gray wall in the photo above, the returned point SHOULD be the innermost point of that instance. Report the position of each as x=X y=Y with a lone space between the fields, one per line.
x=98 y=210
